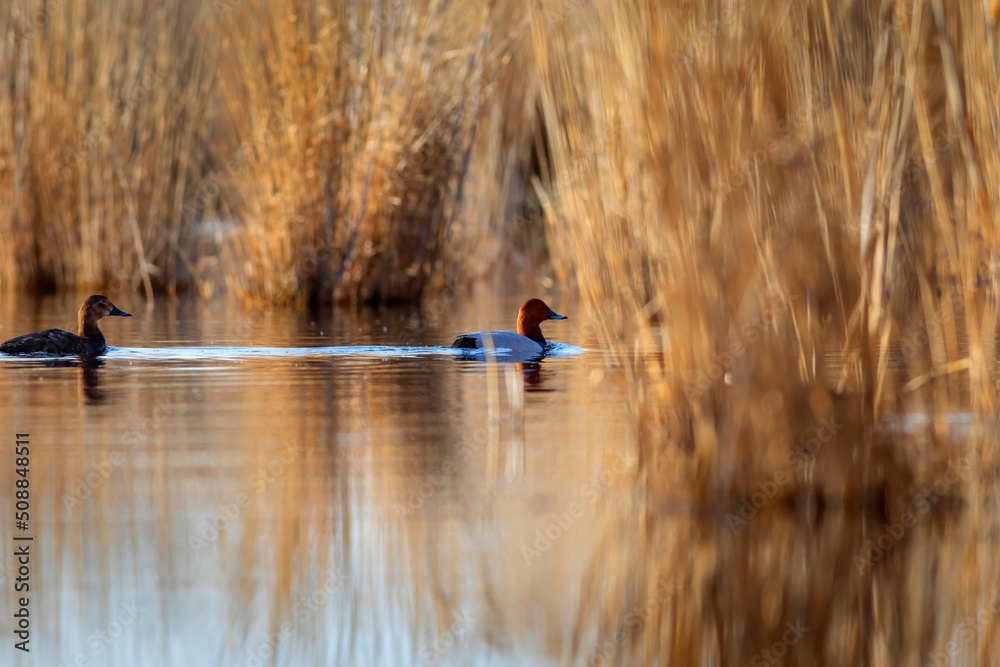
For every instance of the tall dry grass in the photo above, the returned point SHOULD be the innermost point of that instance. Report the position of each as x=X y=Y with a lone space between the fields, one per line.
x=102 y=130
x=756 y=186
x=356 y=127
x=287 y=150
x=785 y=214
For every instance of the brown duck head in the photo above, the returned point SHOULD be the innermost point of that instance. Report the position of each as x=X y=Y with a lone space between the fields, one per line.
x=92 y=310
x=533 y=312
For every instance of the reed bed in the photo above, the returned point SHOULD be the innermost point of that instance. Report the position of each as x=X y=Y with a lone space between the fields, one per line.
x=784 y=216
x=280 y=150
x=756 y=189
x=103 y=108
x=359 y=122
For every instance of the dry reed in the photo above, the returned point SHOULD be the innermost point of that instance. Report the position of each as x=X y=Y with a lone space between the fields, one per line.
x=754 y=187
x=103 y=107
x=289 y=150
x=785 y=217
x=362 y=121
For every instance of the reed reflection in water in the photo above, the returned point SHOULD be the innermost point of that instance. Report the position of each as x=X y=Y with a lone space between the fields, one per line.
x=397 y=510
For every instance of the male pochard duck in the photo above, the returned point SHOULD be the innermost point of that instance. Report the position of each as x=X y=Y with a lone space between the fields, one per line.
x=528 y=341
x=90 y=342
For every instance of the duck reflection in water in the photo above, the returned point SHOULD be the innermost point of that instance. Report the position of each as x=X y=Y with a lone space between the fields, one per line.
x=88 y=376
x=89 y=379
x=534 y=377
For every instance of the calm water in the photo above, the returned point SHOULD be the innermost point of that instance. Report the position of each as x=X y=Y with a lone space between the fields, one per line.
x=390 y=504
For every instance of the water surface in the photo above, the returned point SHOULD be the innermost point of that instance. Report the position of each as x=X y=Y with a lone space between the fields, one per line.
x=234 y=486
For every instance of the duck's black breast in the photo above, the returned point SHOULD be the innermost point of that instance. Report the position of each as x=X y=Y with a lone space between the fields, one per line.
x=467 y=342
x=53 y=341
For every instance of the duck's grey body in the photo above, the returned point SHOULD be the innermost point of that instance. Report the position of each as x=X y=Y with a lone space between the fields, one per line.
x=519 y=345
x=527 y=343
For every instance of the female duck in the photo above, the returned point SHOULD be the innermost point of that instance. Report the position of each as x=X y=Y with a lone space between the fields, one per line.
x=527 y=342
x=90 y=342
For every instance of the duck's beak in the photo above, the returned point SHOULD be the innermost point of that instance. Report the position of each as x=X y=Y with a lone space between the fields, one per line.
x=116 y=311
x=553 y=315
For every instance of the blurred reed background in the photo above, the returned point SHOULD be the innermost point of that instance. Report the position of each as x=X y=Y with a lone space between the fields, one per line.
x=754 y=187
x=786 y=213
x=104 y=132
